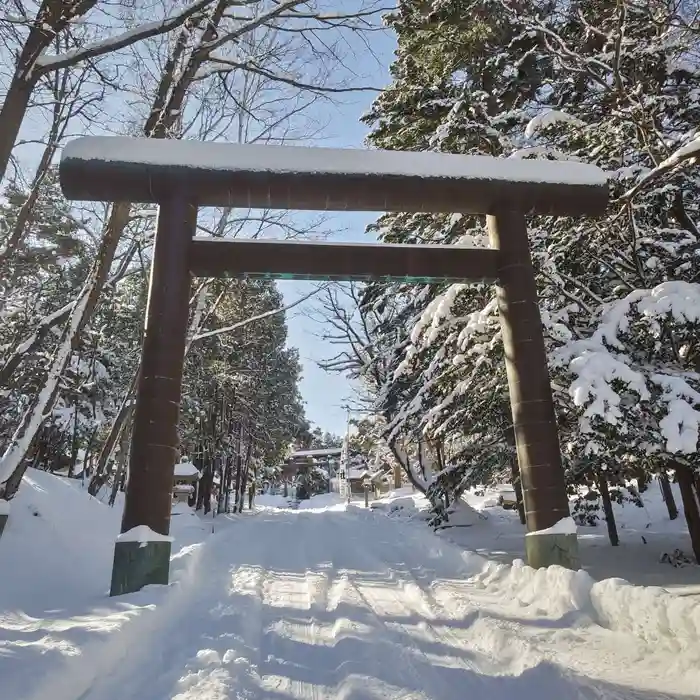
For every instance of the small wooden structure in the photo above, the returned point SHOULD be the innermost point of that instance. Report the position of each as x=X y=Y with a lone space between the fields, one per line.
x=181 y=176
x=379 y=480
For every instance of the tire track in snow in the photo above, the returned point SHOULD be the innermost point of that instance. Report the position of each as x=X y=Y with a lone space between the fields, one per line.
x=324 y=651
x=207 y=642
x=290 y=590
x=409 y=606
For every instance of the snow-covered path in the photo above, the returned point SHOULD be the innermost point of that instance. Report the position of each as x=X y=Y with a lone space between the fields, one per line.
x=342 y=603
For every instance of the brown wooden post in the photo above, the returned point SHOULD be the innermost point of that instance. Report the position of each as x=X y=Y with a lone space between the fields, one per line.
x=534 y=420
x=144 y=558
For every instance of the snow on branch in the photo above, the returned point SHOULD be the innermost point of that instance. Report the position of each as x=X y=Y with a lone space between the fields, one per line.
x=689 y=152
x=252 y=319
x=547 y=118
x=601 y=369
x=46 y=64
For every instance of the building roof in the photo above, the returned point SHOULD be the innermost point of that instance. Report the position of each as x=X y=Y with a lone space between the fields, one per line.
x=330 y=452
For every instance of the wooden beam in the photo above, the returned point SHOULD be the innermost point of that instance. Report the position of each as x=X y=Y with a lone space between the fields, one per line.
x=221 y=257
x=104 y=168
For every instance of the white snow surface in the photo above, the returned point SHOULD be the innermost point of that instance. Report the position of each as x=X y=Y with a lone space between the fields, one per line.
x=234 y=157
x=333 y=601
x=143 y=533
x=5 y=507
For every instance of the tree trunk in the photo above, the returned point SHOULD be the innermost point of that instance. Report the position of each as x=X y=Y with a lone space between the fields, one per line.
x=74 y=444
x=246 y=471
x=642 y=479
x=120 y=472
x=398 y=452
x=239 y=461
x=686 y=482
x=125 y=411
x=225 y=485
x=15 y=106
x=667 y=494
x=397 y=474
x=602 y=481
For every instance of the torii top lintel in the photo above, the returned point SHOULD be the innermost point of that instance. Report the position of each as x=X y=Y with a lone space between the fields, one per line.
x=106 y=168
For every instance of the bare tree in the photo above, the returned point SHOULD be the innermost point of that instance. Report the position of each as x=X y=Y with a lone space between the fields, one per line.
x=36 y=34
x=205 y=33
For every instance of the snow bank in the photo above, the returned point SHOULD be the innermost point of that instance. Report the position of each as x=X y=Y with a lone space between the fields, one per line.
x=321 y=500
x=267 y=500
x=650 y=613
x=55 y=611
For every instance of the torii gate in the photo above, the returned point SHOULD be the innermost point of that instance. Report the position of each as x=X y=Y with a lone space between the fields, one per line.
x=181 y=176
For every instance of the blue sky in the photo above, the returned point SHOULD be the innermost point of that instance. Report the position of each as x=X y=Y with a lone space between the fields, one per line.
x=326 y=393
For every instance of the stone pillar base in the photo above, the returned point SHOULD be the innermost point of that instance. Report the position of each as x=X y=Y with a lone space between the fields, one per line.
x=139 y=564
x=549 y=549
x=3 y=522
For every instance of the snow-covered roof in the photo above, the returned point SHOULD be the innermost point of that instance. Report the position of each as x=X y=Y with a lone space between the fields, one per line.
x=186 y=469
x=329 y=452
x=357 y=473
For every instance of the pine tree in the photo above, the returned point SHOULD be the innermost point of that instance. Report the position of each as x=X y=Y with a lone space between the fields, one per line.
x=463 y=78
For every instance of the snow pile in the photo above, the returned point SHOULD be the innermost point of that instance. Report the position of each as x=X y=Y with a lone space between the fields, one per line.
x=558 y=590
x=321 y=500
x=650 y=613
x=56 y=557
x=268 y=500
x=494 y=550
x=181 y=508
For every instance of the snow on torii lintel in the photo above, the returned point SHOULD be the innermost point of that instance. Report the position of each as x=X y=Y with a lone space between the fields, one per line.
x=215 y=155
x=108 y=168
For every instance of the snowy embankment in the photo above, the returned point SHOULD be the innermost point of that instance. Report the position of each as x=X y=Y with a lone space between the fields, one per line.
x=321 y=601
x=56 y=559
x=668 y=618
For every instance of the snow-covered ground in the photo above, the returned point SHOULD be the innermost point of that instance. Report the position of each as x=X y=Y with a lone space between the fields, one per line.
x=645 y=535
x=328 y=601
